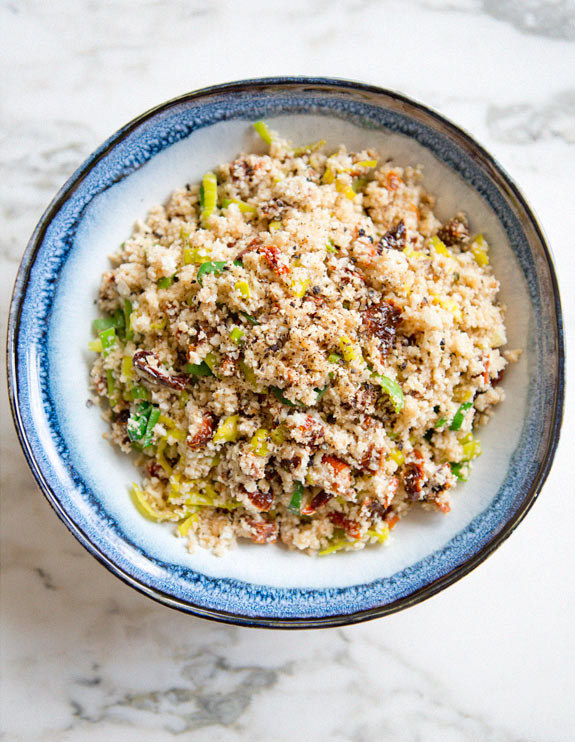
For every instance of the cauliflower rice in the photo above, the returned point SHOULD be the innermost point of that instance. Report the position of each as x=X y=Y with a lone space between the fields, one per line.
x=299 y=351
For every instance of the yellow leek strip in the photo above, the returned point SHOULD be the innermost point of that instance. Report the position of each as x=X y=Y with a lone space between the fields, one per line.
x=193 y=256
x=381 y=536
x=161 y=458
x=199 y=499
x=299 y=287
x=328 y=176
x=216 y=460
x=409 y=252
x=264 y=132
x=308 y=149
x=159 y=326
x=365 y=163
x=337 y=545
x=243 y=288
x=244 y=207
x=144 y=507
x=462 y=393
x=350 y=351
x=344 y=187
x=185 y=525
x=479 y=249
x=278 y=435
x=274 y=226
x=259 y=444
x=439 y=247
x=471 y=447
x=249 y=373
x=396 y=455
x=449 y=304
x=127 y=368
x=209 y=490
x=227 y=430
x=95 y=345
x=208 y=197
x=172 y=429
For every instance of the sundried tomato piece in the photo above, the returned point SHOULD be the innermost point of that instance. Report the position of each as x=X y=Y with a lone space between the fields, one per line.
x=351 y=527
x=394 y=238
x=454 y=231
x=272 y=254
x=318 y=501
x=204 y=432
x=413 y=479
x=381 y=321
x=148 y=363
x=262 y=532
x=261 y=500
x=337 y=464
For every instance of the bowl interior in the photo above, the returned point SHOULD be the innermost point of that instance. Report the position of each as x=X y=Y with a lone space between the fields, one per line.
x=91 y=480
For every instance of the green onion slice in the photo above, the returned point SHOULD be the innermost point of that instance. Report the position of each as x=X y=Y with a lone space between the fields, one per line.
x=296 y=499
x=393 y=390
x=108 y=340
x=249 y=318
x=210 y=267
x=459 y=416
x=461 y=470
x=198 y=369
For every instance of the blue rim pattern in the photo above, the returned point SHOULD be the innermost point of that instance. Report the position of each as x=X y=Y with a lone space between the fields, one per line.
x=29 y=363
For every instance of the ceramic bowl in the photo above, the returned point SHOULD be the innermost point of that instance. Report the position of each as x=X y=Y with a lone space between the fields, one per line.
x=86 y=480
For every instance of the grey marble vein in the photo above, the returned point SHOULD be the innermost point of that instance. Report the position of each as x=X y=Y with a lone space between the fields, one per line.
x=554 y=19
x=522 y=123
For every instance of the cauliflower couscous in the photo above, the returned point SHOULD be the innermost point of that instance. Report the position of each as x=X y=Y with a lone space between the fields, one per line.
x=298 y=350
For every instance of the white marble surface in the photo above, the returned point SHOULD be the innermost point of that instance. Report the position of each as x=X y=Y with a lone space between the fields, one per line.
x=86 y=658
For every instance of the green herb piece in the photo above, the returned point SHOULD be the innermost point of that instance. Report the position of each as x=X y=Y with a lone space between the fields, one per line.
x=139 y=392
x=239 y=262
x=138 y=421
x=198 y=369
x=329 y=246
x=393 y=390
x=249 y=318
x=263 y=131
x=277 y=392
x=459 y=416
x=461 y=470
x=165 y=282
x=216 y=266
x=321 y=392
x=117 y=321
x=334 y=358
x=108 y=340
x=440 y=422
x=152 y=420
x=296 y=499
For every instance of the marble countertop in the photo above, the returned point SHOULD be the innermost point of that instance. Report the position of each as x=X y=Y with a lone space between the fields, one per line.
x=86 y=658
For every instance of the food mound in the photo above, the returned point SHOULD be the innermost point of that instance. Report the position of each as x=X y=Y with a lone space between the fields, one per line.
x=298 y=350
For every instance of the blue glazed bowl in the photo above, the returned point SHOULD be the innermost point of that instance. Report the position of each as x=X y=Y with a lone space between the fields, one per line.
x=86 y=481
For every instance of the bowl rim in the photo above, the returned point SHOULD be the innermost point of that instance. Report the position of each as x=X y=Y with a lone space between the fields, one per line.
x=17 y=301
